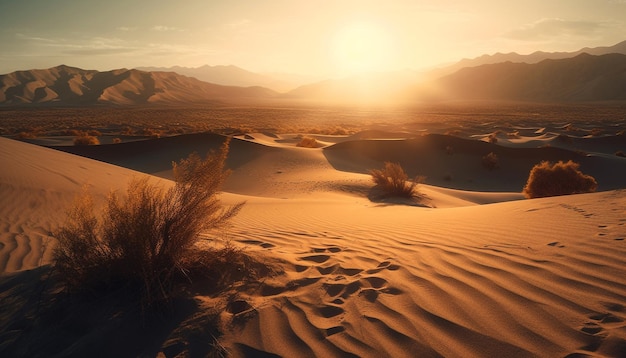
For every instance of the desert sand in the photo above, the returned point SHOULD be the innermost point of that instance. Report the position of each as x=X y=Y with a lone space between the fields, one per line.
x=471 y=270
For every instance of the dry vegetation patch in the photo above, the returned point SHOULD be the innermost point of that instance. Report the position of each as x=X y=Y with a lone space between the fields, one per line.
x=562 y=178
x=490 y=161
x=393 y=181
x=308 y=142
x=147 y=240
x=86 y=140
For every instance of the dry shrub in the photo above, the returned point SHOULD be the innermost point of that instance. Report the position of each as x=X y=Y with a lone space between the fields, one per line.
x=27 y=135
x=392 y=180
x=547 y=179
x=144 y=241
x=117 y=140
x=308 y=142
x=490 y=161
x=86 y=140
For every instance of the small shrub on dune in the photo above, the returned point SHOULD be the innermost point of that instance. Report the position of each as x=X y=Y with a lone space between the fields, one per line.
x=86 y=140
x=393 y=181
x=490 y=161
x=547 y=179
x=308 y=142
x=148 y=239
x=117 y=140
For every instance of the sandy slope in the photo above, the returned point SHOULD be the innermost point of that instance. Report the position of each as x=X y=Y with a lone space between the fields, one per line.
x=521 y=278
x=37 y=185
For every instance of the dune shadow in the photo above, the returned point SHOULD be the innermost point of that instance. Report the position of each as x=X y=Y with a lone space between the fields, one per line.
x=38 y=319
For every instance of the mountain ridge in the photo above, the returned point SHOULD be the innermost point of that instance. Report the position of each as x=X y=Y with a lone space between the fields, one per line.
x=227 y=75
x=582 y=78
x=66 y=85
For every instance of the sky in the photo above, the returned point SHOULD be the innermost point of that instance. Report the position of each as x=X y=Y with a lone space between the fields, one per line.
x=323 y=38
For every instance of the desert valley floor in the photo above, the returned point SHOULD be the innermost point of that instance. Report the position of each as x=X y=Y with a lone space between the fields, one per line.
x=471 y=270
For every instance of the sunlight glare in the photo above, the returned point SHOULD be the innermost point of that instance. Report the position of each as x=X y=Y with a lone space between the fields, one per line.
x=362 y=47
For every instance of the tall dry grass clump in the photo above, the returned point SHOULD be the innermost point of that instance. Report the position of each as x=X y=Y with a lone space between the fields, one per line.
x=547 y=179
x=144 y=240
x=393 y=181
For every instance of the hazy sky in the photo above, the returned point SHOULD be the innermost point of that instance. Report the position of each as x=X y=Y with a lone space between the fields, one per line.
x=325 y=38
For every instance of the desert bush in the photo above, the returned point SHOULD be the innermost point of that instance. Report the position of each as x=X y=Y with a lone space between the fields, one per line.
x=94 y=132
x=144 y=241
x=117 y=140
x=308 y=142
x=27 y=135
x=547 y=179
x=490 y=161
x=86 y=140
x=392 y=180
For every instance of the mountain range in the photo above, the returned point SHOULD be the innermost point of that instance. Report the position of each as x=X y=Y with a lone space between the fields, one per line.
x=534 y=57
x=64 y=85
x=597 y=74
x=233 y=76
x=581 y=78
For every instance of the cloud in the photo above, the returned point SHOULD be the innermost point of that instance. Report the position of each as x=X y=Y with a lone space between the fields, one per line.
x=554 y=27
x=34 y=38
x=126 y=28
x=93 y=46
x=162 y=28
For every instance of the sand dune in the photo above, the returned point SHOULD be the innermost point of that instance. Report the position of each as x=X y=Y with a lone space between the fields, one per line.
x=36 y=188
x=445 y=160
x=522 y=278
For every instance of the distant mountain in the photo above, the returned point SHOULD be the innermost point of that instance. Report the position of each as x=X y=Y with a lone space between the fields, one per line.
x=581 y=78
x=229 y=76
x=64 y=85
x=534 y=57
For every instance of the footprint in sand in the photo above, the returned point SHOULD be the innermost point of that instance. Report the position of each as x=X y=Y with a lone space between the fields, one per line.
x=334 y=330
x=556 y=244
x=369 y=294
x=341 y=289
x=330 y=311
x=385 y=265
x=316 y=258
x=265 y=245
x=338 y=269
x=375 y=282
x=331 y=249
x=301 y=268
x=591 y=328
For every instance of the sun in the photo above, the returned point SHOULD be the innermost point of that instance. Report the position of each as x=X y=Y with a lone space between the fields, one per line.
x=361 y=47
